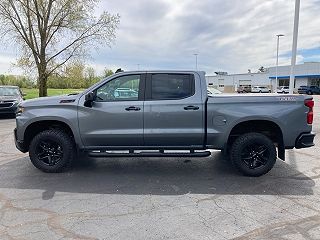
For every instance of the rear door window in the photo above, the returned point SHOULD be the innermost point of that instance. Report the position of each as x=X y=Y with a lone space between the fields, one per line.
x=171 y=86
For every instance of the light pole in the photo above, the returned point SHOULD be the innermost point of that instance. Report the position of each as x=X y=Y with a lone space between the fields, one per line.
x=196 y=55
x=294 y=45
x=277 y=63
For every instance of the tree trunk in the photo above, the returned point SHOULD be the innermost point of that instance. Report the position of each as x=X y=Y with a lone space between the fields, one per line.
x=43 y=78
x=43 y=85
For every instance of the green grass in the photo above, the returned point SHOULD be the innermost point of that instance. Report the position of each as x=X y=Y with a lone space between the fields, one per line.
x=34 y=93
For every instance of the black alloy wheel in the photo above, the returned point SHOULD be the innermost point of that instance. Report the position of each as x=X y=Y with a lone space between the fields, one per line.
x=253 y=154
x=49 y=152
x=52 y=151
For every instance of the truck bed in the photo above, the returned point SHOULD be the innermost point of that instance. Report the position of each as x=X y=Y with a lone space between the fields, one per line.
x=225 y=111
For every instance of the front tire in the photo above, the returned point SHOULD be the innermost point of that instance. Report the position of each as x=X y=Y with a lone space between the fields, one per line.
x=52 y=151
x=253 y=154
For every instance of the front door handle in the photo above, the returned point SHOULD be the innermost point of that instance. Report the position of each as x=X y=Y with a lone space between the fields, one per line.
x=191 y=108
x=133 y=108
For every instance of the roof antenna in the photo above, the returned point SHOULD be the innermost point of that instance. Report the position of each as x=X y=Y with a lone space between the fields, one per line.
x=119 y=70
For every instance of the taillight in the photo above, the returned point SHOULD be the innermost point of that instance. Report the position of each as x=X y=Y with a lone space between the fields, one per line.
x=310 y=104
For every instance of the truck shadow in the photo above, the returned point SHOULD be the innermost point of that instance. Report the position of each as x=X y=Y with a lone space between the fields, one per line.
x=155 y=176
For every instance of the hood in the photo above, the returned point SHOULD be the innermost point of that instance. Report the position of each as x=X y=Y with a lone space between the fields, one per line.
x=10 y=98
x=49 y=101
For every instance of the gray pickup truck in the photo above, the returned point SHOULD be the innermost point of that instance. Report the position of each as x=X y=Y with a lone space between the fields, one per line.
x=163 y=113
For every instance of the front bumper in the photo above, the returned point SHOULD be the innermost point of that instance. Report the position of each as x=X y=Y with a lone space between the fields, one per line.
x=19 y=144
x=305 y=140
x=10 y=110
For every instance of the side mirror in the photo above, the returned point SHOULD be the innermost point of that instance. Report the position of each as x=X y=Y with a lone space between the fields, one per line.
x=89 y=99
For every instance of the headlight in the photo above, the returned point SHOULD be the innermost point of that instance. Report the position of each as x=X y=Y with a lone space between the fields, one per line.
x=16 y=102
x=20 y=110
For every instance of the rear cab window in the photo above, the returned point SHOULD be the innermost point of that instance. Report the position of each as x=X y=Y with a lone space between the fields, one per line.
x=162 y=86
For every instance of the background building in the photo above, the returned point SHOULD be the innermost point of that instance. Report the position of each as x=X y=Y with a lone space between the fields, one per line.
x=305 y=74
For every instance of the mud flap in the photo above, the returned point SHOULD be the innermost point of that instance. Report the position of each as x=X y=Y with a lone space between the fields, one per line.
x=281 y=152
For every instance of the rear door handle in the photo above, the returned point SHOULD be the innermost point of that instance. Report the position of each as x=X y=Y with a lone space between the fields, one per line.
x=133 y=108
x=191 y=108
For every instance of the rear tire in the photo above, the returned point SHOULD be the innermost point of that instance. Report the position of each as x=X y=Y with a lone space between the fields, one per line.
x=309 y=92
x=52 y=151
x=253 y=154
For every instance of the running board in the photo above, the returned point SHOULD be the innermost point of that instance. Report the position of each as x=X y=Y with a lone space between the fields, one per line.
x=98 y=154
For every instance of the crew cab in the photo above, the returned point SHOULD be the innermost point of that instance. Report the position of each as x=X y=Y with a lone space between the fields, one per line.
x=170 y=114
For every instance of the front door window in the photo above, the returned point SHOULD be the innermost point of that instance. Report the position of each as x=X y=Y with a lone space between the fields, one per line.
x=125 y=88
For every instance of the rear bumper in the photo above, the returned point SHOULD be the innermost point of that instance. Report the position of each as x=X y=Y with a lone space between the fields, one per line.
x=305 y=140
x=19 y=144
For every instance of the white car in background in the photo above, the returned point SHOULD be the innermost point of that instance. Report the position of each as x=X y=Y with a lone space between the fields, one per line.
x=283 y=89
x=212 y=91
x=260 y=89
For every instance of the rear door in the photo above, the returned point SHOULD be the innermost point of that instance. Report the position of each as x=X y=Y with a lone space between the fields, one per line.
x=173 y=110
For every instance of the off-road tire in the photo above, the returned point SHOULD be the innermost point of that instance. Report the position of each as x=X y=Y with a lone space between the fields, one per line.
x=60 y=138
x=239 y=149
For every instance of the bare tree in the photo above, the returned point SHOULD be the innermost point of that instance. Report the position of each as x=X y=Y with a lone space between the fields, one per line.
x=50 y=33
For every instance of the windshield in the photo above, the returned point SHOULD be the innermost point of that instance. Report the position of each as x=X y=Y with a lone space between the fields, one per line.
x=9 y=91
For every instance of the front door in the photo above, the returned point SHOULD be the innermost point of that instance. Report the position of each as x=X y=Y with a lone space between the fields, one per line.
x=116 y=116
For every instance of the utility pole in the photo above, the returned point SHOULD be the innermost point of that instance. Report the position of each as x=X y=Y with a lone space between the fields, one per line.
x=277 y=62
x=294 y=45
x=196 y=55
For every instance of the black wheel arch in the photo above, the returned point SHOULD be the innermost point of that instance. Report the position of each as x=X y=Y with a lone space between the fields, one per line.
x=39 y=126
x=265 y=127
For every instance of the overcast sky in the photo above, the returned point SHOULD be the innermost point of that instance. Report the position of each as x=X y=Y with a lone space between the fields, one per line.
x=228 y=35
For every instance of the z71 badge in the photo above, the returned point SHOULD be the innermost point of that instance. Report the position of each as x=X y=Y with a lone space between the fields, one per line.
x=291 y=99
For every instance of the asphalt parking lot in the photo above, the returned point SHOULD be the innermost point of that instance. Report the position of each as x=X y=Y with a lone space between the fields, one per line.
x=159 y=198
